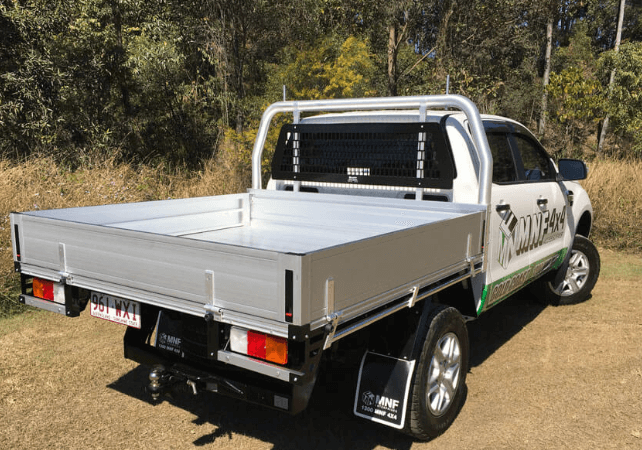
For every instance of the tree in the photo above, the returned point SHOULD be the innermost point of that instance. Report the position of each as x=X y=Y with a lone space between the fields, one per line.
x=616 y=48
x=328 y=69
x=30 y=81
x=574 y=90
x=490 y=49
x=166 y=81
x=625 y=94
x=547 y=71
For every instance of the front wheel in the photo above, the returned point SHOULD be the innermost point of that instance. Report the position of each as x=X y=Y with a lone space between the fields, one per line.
x=579 y=279
x=438 y=389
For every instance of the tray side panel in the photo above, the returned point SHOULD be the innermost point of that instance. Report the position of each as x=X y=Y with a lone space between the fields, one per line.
x=367 y=269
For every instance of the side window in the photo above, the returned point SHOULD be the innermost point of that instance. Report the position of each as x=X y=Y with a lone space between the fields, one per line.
x=503 y=164
x=537 y=165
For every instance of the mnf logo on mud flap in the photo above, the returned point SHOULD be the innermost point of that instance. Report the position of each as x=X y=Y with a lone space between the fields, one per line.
x=383 y=389
x=389 y=404
x=168 y=334
x=169 y=343
x=517 y=236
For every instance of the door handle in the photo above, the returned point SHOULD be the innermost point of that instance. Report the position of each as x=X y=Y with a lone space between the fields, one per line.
x=502 y=208
x=542 y=201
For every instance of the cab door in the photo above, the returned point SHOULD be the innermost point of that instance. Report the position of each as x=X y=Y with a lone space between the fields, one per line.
x=508 y=207
x=527 y=217
x=551 y=233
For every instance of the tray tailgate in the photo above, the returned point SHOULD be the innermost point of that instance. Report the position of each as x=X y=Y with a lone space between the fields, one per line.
x=180 y=273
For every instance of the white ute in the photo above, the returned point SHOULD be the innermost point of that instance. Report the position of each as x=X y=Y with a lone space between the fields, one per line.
x=386 y=225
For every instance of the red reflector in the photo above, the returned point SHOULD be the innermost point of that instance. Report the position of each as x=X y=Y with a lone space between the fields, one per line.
x=43 y=289
x=256 y=344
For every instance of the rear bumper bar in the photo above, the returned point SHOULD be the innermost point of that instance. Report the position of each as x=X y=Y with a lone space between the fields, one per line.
x=224 y=379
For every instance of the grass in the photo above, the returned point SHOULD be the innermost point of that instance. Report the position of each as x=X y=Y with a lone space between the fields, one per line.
x=615 y=189
x=614 y=186
x=621 y=266
x=9 y=291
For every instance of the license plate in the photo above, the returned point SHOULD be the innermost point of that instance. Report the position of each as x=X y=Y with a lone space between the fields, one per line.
x=115 y=309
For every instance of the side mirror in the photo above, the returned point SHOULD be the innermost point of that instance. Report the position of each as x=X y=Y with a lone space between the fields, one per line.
x=572 y=169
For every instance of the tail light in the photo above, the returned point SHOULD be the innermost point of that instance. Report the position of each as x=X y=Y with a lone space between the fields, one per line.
x=43 y=289
x=259 y=345
x=48 y=290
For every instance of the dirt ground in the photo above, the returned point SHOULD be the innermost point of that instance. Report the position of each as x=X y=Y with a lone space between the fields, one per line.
x=540 y=378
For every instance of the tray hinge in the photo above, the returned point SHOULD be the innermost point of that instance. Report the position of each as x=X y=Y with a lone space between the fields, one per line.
x=413 y=298
x=331 y=316
x=469 y=259
x=333 y=322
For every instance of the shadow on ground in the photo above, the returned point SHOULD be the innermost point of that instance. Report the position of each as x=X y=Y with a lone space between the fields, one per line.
x=328 y=421
x=498 y=325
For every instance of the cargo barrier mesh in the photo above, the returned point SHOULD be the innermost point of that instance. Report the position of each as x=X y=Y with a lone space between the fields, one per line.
x=397 y=154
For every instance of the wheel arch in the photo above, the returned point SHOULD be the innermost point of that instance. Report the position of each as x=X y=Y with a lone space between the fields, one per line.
x=408 y=326
x=584 y=225
x=460 y=296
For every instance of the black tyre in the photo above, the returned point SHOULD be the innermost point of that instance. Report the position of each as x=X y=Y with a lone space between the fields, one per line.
x=579 y=279
x=438 y=391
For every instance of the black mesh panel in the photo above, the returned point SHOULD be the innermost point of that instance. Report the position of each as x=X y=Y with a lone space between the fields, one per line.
x=414 y=155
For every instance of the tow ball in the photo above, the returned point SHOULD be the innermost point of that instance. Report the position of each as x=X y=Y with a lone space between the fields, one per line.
x=158 y=381
x=161 y=381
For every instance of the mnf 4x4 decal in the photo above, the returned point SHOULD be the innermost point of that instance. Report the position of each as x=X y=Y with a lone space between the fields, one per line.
x=517 y=236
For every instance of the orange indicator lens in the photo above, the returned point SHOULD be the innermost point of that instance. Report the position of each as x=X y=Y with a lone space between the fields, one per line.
x=276 y=350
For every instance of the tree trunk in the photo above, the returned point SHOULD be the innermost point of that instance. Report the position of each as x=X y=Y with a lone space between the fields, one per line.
x=442 y=40
x=618 y=38
x=547 y=73
x=120 y=57
x=392 y=60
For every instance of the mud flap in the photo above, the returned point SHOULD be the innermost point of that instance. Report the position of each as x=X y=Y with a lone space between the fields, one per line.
x=383 y=388
x=169 y=335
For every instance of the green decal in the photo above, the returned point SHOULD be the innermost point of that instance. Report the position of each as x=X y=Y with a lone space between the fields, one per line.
x=502 y=289
x=560 y=259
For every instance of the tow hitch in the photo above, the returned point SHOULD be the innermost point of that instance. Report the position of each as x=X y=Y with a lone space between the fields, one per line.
x=162 y=380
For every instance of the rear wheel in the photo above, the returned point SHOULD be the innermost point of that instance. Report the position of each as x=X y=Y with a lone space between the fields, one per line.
x=439 y=390
x=579 y=279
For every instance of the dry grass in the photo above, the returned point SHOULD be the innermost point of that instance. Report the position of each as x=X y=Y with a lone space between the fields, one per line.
x=615 y=189
x=40 y=183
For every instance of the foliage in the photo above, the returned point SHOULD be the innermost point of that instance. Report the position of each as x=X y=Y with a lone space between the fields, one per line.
x=173 y=82
x=327 y=69
x=576 y=94
x=578 y=97
x=102 y=75
x=30 y=81
x=625 y=100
